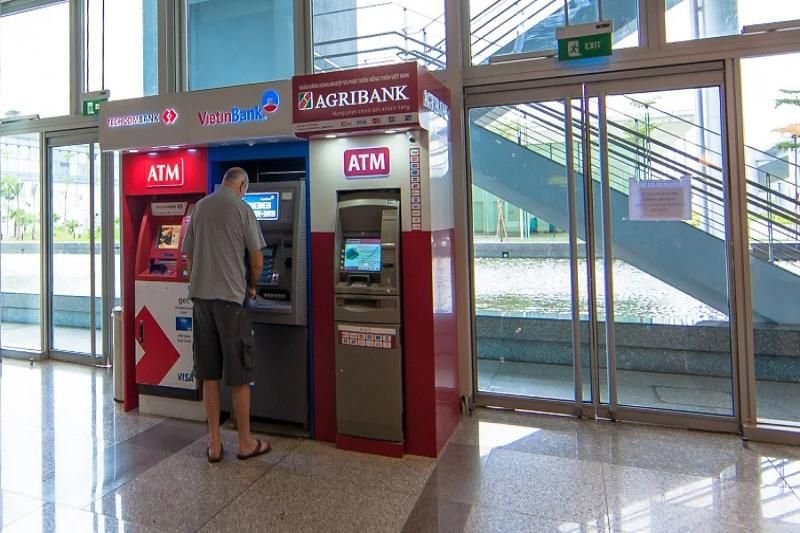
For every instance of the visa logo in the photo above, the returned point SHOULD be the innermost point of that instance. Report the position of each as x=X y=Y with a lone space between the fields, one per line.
x=185 y=377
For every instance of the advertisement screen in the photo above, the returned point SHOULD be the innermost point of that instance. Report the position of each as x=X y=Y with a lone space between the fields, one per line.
x=362 y=255
x=264 y=204
x=168 y=236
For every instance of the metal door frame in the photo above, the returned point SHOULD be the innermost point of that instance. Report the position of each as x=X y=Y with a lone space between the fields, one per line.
x=99 y=353
x=600 y=86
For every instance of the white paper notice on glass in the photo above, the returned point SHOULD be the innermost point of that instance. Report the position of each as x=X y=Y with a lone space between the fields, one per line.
x=660 y=199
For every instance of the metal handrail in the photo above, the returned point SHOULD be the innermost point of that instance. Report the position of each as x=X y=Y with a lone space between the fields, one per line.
x=533 y=139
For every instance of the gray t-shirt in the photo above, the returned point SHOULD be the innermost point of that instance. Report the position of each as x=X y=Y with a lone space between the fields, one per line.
x=221 y=229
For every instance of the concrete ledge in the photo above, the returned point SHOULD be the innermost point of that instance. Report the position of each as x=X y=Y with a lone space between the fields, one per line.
x=702 y=350
x=526 y=250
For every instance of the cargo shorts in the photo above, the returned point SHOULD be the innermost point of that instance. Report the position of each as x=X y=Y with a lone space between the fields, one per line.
x=223 y=340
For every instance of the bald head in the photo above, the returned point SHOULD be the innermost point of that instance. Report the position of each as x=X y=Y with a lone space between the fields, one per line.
x=237 y=180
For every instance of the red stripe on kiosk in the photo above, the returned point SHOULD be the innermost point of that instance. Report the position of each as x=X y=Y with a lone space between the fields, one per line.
x=385 y=367
x=160 y=190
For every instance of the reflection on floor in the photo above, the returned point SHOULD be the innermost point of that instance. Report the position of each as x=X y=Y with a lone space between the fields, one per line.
x=71 y=460
x=26 y=336
x=679 y=392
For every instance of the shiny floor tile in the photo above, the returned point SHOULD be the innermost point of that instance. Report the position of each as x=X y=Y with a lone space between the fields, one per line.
x=283 y=501
x=72 y=460
x=325 y=461
x=52 y=518
x=15 y=506
x=181 y=493
x=250 y=470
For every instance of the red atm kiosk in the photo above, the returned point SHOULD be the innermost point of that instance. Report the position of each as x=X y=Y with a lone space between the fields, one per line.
x=160 y=191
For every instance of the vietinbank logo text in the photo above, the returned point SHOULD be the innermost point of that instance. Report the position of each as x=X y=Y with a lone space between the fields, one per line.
x=270 y=102
x=306 y=100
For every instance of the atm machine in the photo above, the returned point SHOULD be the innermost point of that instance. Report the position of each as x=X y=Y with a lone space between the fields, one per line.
x=369 y=354
x=279 y=311
x=163 y=314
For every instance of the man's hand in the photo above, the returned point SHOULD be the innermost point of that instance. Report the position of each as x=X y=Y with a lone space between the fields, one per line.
x=251 y=293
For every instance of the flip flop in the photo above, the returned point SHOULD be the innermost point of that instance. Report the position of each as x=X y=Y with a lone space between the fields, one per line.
x=262 y=447
x=212 y=459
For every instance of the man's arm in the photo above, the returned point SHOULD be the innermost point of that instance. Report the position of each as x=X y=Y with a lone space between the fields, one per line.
x=189 y=266
x=256 y=264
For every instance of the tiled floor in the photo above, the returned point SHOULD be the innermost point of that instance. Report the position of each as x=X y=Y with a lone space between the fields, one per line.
x=71 y=460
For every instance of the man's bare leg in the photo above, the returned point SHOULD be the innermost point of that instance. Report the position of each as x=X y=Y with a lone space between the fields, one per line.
x=211 y=404
x=241 y=410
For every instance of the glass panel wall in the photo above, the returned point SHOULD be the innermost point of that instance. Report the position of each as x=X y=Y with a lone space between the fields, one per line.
x=20 y=262
x=233 y=43
x=771 y=111
x=71 y=255
x=668 y=275
x=34 y=62
x=668 y=270
x=698 y=19
x=122 y=47
x=499 y=27
x=358 y=33
x=96 y=249
x=522 y=266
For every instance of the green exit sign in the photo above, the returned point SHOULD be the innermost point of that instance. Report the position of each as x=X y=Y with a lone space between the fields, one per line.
x=584 y=40
x=92 y=107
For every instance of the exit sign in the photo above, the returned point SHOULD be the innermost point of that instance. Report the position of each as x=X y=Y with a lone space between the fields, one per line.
x=584 y=40
x=91 y=107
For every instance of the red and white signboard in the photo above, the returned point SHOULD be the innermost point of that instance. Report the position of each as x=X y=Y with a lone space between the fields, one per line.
x=367 y=162
x=175 y=172
x=161 y=174
x=164 y=335
x=356 y=99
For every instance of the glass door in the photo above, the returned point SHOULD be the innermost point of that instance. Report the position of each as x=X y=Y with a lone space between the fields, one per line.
x=660 y=210
x=76 y=309
x=20 y=242
x=528 y=248
x=600 y=249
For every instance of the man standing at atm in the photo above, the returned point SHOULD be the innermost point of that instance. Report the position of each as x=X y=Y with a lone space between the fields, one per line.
x=222 y=230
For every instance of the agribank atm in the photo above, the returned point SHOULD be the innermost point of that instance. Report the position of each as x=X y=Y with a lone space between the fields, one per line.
x=367 y=311
x=385 y=361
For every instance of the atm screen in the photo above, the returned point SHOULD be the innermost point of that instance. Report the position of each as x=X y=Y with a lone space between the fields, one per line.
x=362 y=255
x=264 y=204
x=168 y=236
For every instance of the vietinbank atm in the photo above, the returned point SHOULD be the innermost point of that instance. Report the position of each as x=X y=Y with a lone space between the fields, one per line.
x=385 y=365
x=278 y=198
x=160 y=191
x=175 y=149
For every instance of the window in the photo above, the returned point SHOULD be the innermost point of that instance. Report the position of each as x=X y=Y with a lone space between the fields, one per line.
x=500 y=27
x=357 y=33
x=122 y=47
x=20 y=283
x=698 y=19
x=771 y=111
x=34 y=62
x=233 y=43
